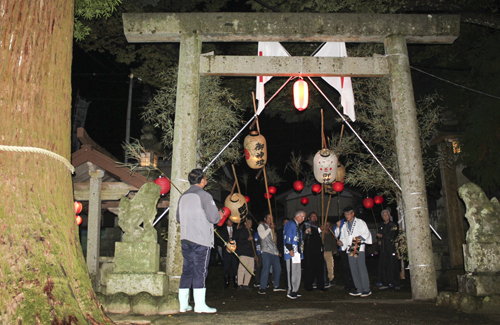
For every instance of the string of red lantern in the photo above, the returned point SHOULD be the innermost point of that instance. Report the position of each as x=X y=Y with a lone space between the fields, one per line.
x=316 y=188
x=164 y=183
x=247 y=198
x=298 y=186
x=378 y=199
x=78 y=208
x=304 y=201
x=272 y=190
x=368 y=203
x=338 y=187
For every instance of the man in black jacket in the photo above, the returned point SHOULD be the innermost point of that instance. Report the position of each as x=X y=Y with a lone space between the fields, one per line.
x=245 y=250
x=229 y=260
x=388 y=270
x=314 y=262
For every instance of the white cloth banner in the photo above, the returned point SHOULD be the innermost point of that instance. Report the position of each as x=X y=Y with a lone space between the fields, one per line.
x=266 y=49
x=331 y=49
x=342 y=84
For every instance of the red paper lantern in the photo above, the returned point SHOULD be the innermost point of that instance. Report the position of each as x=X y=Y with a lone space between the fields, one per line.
x=272 y=189
x=270 y=195
x=226 y=211
x=247 y=198
x=304 y=200
x=300 y=94
x=78 y=220
x=338 y=187
x=378 y=199
x=368 y=203
x=164 y=184
x=298 y=186
x=316 y=188
x=78 y=207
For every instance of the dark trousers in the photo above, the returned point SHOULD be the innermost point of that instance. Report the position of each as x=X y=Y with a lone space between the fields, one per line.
x=346 y=271
x=388 y=269
x=313 y=270
x=258 y=269
x=230 y=262
x=195 y=266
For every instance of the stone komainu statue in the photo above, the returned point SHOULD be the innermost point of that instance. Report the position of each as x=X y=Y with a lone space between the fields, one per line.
x=137 y=215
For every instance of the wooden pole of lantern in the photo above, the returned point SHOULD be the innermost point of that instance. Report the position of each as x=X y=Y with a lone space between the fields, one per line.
x=264 y=170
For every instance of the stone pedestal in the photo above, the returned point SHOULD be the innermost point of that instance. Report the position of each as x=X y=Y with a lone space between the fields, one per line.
x=132 y=284
x=136 y=270
x=479 y=285
x=141 y=257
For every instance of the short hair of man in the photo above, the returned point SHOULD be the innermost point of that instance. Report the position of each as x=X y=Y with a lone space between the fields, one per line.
x=195 y=176
x=299 y=211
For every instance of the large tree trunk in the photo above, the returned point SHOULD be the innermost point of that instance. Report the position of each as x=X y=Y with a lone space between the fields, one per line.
x=43 y=277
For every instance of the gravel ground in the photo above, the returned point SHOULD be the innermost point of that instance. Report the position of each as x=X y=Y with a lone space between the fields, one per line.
x=314 y=307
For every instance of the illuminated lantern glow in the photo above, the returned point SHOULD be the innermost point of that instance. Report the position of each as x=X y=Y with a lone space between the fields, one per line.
x=300 y=95
x=304 y=201
x=378 y=199
x=316 y=188
x=298 y=186
x=78 y=220
x=247 y=198
x=235 y=219
x=338 y=186
x=270 y=195
x=368 y=203
x=238 y=206
x=255 y=150
x=340 y=173
x=78 y=207
x=164 y=184
x=231 y=246
x=325 y=166
x=272 y=189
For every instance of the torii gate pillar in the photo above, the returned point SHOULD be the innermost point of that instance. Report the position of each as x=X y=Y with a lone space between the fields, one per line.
x=184 y=146
x=411 y=171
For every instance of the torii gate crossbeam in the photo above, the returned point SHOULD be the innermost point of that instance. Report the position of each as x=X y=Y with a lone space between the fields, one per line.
x=395 y=31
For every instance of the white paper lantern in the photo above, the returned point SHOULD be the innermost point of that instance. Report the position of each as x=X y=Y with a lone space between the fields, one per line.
x=325 y=166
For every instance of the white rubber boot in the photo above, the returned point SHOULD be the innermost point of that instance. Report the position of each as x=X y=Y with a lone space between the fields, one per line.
x=199 y=302
x=184 y=301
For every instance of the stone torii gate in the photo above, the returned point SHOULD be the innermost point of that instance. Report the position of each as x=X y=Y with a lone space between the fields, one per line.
x=394 y=31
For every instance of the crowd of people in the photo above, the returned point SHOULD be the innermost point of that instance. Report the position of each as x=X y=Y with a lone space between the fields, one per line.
x=278 y=258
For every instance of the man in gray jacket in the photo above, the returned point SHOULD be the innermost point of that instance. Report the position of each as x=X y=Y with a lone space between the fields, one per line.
x=196 y=212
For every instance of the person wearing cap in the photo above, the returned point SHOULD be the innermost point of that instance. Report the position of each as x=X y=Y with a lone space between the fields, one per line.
x=388 y=270
x=197 y=214
x=355 y=231
x=293 y=240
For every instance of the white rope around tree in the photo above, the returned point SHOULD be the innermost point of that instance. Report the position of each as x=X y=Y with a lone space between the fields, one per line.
x=40 y=151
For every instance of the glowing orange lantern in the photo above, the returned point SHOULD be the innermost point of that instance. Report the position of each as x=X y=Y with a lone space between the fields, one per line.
x=78 y=220
x=300 y=94
x=255 y=150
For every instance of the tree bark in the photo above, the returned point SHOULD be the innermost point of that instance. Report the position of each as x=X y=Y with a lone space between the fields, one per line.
x=43 y=277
